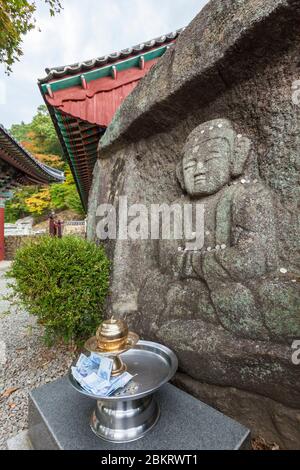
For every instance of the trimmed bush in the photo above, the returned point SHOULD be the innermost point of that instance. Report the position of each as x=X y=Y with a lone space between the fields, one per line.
x=64 y=282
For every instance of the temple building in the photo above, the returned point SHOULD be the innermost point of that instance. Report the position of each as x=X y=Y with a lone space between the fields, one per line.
x=19 y=168
x=82 y=99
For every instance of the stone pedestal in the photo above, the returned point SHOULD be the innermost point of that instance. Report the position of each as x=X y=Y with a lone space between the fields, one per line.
x=59 y=418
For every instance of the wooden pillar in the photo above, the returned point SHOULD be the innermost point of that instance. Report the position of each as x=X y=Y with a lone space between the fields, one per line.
x=2 y=252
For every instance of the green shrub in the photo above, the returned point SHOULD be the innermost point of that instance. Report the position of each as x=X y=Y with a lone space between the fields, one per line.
x=64 y=282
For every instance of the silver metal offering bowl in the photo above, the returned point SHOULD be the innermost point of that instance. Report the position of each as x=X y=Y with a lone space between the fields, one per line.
x=132 y=411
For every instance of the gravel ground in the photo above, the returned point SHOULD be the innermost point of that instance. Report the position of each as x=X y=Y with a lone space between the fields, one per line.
x=25 y=363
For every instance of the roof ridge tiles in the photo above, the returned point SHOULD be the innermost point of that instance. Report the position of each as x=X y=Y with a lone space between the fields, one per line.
x=62 y=71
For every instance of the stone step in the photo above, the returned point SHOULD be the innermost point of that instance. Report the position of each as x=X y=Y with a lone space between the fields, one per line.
x=59 y=419
x=20 y=442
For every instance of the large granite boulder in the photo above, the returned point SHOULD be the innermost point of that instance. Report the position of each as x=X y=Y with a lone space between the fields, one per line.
x=215 y=123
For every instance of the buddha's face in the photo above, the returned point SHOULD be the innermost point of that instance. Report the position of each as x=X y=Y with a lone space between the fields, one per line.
x=206 y=166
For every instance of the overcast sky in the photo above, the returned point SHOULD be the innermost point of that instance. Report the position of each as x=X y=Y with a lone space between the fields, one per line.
x=83 y=30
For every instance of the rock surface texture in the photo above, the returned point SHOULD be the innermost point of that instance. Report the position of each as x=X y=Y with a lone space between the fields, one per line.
x=216 y=123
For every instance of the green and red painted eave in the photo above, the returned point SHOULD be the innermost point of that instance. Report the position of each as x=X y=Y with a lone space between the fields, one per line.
x=82 y=100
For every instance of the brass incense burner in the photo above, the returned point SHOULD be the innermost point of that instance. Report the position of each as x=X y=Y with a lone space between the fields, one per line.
x=112 y=339
x=112 y=335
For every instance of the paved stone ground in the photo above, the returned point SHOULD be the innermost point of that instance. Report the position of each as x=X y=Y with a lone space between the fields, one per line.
x=25 y=363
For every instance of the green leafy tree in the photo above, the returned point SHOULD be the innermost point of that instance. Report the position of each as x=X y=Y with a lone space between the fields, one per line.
x=73 y=201
x=45 y=137
x=20 y=131
x=65 y=195
x=16 y=20
x=39 y=136
x=17 y=208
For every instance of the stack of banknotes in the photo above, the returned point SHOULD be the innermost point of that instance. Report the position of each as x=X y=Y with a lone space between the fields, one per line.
x=93 y=373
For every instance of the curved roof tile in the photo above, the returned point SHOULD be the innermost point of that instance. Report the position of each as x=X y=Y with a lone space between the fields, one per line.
x=62 y=71
x=22 y=160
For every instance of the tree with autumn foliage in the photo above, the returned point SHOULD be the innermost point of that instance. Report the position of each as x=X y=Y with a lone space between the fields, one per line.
x=39 y=202
x=40 y=139
x=17 y=18
x=57 y=197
